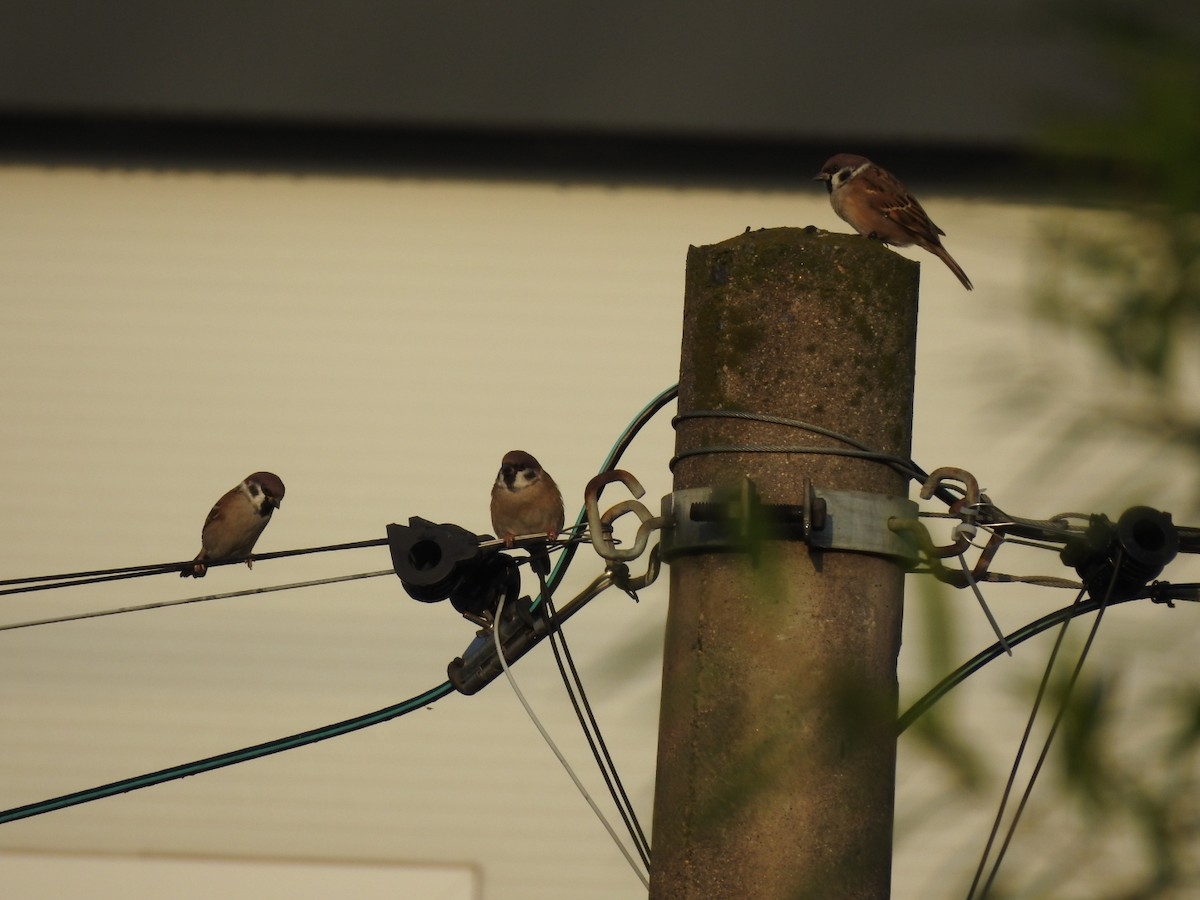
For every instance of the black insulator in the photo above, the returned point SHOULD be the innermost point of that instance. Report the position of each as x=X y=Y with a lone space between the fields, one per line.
x=1117 y=561
x=435 y=561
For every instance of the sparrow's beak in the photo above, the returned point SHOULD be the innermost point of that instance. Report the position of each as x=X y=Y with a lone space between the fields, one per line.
x=820 y=176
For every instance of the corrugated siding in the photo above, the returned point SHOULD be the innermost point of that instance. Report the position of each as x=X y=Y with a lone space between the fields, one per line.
x=379 y=343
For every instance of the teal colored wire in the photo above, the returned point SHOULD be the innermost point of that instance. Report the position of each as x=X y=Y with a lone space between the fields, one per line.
x=610 y=462
x=228 y=759
x=329 y=731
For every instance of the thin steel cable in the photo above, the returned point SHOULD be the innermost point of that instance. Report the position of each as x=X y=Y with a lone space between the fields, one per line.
x=337 y=579
x=906 y=467
x=984 y=605
x=902 y=465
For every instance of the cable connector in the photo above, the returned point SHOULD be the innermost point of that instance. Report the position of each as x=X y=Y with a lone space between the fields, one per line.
x=1125 y=556
x=521 y=627
x=435 y=562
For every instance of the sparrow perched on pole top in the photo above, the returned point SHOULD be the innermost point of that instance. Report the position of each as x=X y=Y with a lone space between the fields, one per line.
x=236 y=520
x=878 y=206
x=525 y=500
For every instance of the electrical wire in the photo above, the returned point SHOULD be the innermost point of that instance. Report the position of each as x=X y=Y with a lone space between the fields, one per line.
x=161 y=604
x=983 y=604
x=905 y=467
x=573 y=685
x=554 y=747
x=95 y=576
x=228 y=759
x=888 y=459
x=619 y=796
x=648 y=412
x=1024 y=742
x=1161 y=592
x=1062 y=709
x=304 y=738
x=614 y=784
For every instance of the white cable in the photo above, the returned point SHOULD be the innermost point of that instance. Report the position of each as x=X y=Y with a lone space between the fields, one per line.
x=562 y=759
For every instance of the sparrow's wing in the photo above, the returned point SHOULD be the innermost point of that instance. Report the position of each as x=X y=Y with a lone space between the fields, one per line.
x=894 y=201
x=216 y=514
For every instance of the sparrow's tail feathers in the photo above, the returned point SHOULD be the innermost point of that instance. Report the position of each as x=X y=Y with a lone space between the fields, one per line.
x=954 y=267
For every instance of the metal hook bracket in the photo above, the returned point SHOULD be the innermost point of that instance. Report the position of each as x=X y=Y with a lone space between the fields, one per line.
x=600 y=526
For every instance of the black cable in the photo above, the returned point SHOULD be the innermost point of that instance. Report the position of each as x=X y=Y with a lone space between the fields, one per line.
x=624 y=807
x=228 y=759
x=95 y=576
x=1062 y=710
x=1162 y=592
x=1024 y=742
x=599 y=747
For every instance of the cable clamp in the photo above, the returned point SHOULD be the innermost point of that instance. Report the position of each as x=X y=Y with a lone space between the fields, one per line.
x=702 y=520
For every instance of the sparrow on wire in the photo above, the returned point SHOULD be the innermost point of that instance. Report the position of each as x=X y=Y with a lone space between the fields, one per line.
x=878 y=206
x=525 y=500
x=236 y=521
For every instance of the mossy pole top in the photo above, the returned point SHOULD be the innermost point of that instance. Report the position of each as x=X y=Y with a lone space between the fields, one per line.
x=776 y=765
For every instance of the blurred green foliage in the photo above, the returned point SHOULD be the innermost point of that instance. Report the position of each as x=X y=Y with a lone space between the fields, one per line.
x=1132 y=286
x=1120 y=793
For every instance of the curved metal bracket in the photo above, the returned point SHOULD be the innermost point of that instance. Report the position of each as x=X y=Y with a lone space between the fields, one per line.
x=600 y=526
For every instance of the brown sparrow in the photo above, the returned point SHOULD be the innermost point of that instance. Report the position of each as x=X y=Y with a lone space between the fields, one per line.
x=879 y=207
x=236 y=521
x=525 y=500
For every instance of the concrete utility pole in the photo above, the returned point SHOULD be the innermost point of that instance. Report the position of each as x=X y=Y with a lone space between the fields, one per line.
x=777 y=747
